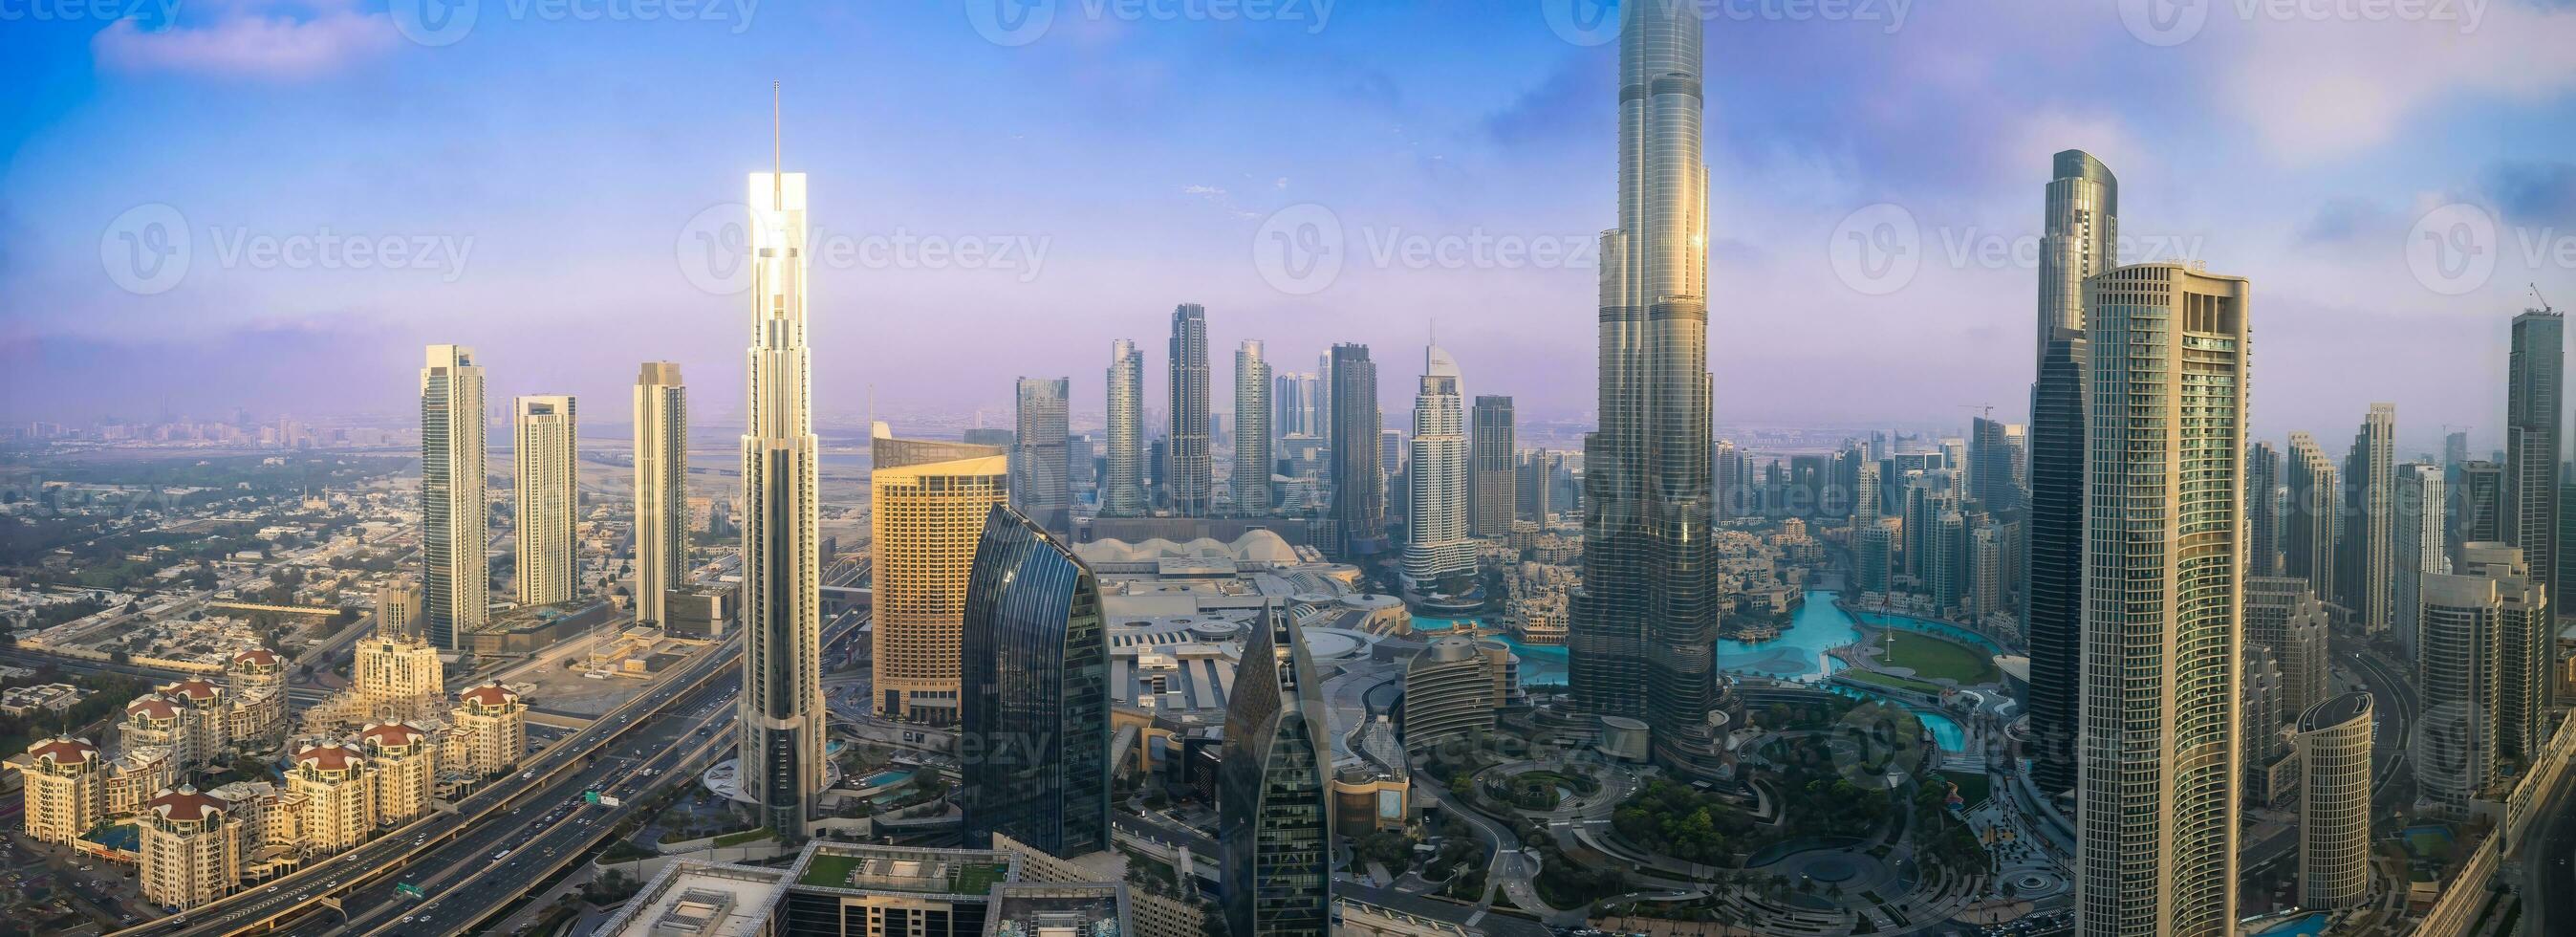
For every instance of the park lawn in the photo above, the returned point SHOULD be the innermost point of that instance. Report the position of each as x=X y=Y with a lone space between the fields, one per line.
x=1893 y=681
x=1932 y=659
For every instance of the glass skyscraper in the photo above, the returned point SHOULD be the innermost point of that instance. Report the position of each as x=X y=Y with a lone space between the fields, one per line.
x=1274 y=805
x=1189 y=475
x=1122 y=489
x=454 y=507
x=1359 y=486
x=661 y=488
x=1034 y=693
x=1250 y=483
x=1039 y=482
x=2079 y=237
x=1646 y=616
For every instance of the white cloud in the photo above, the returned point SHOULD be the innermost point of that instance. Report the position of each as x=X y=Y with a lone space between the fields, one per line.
x=2318 y=88
x=263 y=39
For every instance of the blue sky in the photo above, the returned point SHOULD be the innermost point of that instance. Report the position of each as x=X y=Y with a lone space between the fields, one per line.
x=546 y=168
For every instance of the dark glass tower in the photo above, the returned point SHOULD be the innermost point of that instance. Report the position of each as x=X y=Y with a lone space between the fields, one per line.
x=1647 y=614
x=2080 y=237
x=1190 y=475
x=1034 y=693
x=1359 y=483
x=1274 y=808
x=2534 y=415
x=1040 y=476
x=2263 y=519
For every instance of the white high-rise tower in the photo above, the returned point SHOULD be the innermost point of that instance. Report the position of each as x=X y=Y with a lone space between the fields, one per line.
x=542 y=433
x=661 y=487
x=456 y=587
x=782 y=692
x=1436 y=545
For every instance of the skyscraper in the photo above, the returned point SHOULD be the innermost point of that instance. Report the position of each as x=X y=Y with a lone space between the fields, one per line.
x=1122 y=492
x=2457 y=682
x=661 y=488
x=1039 y=486
x=2367 y=553
x=455 y=579
x=543 y=433
x=2419 y=547
x=2262 y=522
x=1034 y=693
x=1992 y=466
x=2315 y=516
x=1250 y=482
x=1647 y=613
x=2524 y=647
x=1437 y=547
x=1359 y=489
x=2334 y=803
x=1189 y=473
x=1490 y=494
x=929 y=501
x=2079 y=237
x=1274 y=807
x=2156 y=805
x=2534 y=416
x=780 y=708
x=2480 y=514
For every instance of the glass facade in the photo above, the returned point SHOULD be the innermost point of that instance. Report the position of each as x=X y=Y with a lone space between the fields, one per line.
x=1274 y=806
x=1034 y=693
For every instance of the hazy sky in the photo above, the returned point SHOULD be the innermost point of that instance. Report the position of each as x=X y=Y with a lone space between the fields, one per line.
x=273 y=205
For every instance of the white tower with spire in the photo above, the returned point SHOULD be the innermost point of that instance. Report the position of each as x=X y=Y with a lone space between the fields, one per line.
x=781 y=706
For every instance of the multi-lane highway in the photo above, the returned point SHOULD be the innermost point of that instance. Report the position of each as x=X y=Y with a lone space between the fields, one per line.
x=479 y=873
x=535 y=786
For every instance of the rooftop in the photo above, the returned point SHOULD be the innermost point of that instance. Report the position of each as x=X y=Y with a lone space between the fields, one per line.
x=958 y=872
x=701 y=900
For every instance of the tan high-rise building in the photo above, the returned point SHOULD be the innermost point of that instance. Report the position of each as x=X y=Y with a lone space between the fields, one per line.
x=491 y=724
x=190 y=850
x=2524 y=645
x=2334 y=803
x=928 y=509
x=456 y=587
x=2158 y=759
x=339 y=792
x=661 y=488
x=188 y=719
x=256 y=681
x=66 y=781
x=405 y=761
x=544 y=448
x=134 y=775
x=398 y=678
x=398 y=608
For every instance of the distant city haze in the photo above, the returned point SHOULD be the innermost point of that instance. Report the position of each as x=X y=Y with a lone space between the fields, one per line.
x=541 y=200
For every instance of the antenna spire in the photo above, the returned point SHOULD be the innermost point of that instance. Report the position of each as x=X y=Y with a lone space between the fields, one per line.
x=777 y=161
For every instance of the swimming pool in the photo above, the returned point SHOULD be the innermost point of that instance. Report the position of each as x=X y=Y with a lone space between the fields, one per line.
x=2308 y=926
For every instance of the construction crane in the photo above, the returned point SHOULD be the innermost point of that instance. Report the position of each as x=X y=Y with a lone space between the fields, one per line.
x=2543 y=300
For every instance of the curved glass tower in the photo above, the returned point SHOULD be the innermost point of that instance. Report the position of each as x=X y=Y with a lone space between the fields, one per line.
x=781 y=722
x=1122 y=493
x=1034 y=693
x=2079 y=237
x=1648 y=610
x=1275 y=815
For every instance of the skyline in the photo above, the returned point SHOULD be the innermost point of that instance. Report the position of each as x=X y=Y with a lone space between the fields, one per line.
x=1477 y=121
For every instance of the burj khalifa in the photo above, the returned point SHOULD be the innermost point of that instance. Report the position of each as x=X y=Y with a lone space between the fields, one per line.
x=1645 y=620
x=781 y=706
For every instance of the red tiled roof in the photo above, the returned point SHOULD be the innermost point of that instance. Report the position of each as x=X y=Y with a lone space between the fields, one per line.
x=489 y=694
x=330 y=757
x=193 y=688
x=185 y=804
x=154 y=705
x=258 y=656
x=392 y=733
x=63 y=751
